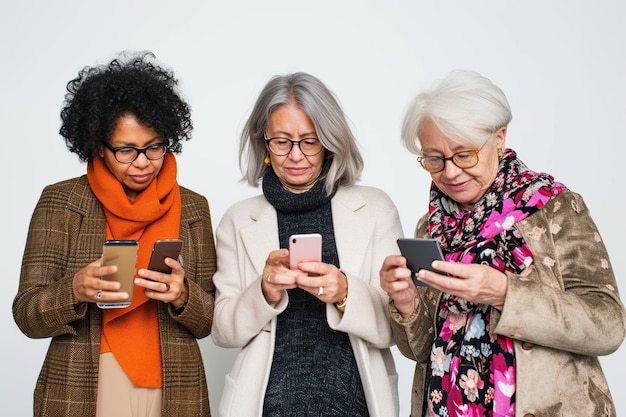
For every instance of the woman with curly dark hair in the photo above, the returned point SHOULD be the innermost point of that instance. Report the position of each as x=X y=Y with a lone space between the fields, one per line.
x=126 y=119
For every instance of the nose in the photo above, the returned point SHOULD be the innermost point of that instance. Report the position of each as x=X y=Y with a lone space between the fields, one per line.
x=141 y=160
x=295 y=154
x=450 y=170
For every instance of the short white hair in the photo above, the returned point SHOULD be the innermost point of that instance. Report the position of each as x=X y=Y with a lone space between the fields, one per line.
x=465 y=106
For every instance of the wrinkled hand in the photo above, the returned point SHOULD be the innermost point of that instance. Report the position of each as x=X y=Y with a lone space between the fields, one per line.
x=169 y=288
x=87 y=284
x=475 y=283
x=395 y=280
x=324 y=281
x=277 y=277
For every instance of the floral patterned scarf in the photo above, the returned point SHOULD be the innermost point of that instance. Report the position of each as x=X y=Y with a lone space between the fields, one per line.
x=473 y=370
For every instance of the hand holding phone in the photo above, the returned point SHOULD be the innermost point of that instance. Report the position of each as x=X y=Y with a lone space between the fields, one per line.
x=420 y=254
x=122 y=253
x=304 y=247
x=164 y=248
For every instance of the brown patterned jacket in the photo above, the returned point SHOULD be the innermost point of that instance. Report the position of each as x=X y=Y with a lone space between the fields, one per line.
x=562 y=313
x=66 y=233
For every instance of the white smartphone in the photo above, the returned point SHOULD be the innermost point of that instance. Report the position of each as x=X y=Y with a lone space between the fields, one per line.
x=304 y=247
x=420 y=254
x=122 y=253
x=164 y=248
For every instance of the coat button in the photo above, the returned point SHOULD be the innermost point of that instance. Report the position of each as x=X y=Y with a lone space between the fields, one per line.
x=529 y=415
x=527 y=346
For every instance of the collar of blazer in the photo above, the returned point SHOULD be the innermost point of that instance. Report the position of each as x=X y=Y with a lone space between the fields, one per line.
x=351 y=220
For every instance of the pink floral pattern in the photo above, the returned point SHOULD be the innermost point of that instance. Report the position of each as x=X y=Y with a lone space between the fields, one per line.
x=473 y=370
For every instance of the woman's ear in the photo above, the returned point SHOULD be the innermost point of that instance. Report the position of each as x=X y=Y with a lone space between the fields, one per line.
x=501 y=138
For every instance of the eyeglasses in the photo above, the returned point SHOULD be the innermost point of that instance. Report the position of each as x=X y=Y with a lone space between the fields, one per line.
x=282 y=146
x=128 y=154
x=463 y=160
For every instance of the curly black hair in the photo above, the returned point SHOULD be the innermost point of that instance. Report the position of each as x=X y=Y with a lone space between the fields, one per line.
x=130 y=84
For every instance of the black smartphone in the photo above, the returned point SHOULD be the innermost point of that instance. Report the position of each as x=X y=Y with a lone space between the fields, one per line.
x=164 y=248
x=420 y=254
x=122 y=253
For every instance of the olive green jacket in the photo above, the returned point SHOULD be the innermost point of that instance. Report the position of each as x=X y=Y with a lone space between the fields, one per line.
x=66 y=233
x=562 y=313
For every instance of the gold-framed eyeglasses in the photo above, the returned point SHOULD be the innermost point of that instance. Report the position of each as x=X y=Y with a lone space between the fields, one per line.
x=280 y=146
x=128 y=154
x=464 y=160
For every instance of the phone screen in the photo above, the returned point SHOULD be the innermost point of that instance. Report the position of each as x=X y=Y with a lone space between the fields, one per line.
x=122 y=253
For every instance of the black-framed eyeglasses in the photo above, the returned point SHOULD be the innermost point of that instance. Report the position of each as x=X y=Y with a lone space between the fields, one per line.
x=280 y=146
x=464 y=160
x=128 y=154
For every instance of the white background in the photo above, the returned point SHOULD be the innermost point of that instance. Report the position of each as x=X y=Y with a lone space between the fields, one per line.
x=562 y=64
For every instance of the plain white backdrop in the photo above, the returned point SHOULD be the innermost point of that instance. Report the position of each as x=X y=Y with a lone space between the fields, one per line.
x=562 y=65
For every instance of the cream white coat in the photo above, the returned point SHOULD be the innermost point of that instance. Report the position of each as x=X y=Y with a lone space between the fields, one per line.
x=366 y=225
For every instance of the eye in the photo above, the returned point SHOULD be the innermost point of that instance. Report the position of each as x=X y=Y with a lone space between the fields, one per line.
x=126 y=151
x=464 y=156
x=310 y=142
x=281 y=141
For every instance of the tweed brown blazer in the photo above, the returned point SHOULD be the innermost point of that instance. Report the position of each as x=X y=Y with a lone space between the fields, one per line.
x=65 y=234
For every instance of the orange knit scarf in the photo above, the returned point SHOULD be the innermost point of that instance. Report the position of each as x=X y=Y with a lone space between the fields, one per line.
x=132 y=333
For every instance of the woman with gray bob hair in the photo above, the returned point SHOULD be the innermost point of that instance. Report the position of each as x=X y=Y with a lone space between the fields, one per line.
x=343 y=164
x=314 y=334
x=465 y=106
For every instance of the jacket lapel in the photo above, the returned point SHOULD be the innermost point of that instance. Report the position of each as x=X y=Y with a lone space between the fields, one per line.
x=261 y=236
x=352 y=234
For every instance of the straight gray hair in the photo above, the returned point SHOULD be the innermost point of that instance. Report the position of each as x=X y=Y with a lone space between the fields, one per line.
x=465 y=106
x=343 y=162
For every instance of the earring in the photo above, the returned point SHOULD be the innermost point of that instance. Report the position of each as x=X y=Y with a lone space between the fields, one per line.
x=500 y=153
x=266 y=161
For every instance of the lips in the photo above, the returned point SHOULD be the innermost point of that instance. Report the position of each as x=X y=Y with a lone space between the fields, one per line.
x=297 y=171
x=457 y=187
x=140 y=179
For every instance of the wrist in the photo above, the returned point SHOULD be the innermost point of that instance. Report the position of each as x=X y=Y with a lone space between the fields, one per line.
x=406 y=310
x=179 y=310
x=341 y=305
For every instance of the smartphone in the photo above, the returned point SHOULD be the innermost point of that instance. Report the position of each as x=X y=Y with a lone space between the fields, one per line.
x=304 y=247
x=420 y=254
x=164 y=248
x=122 y=253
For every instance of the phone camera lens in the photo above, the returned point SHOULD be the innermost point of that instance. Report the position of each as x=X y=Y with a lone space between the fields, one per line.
x=293 y=240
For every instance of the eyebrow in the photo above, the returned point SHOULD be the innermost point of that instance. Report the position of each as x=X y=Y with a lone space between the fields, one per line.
x=457 y=149
x=306 y=135
x=156 y=139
